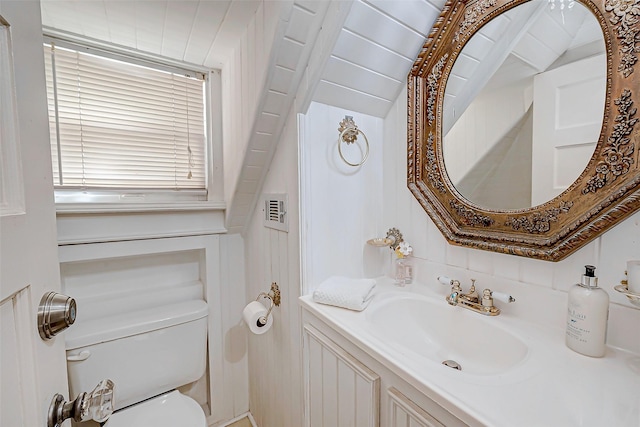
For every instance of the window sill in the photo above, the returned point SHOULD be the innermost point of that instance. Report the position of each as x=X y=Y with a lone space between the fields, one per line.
x=98 y=208
x=115 y=222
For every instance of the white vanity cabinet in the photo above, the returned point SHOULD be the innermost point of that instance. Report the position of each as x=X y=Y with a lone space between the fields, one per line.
x=347 y=387
x=403 y=412
x=339 y=390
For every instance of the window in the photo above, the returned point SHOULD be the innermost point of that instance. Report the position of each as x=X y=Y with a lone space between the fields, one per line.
x=119 y=128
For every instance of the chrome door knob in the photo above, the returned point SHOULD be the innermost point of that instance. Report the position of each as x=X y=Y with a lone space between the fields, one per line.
x=56 y=313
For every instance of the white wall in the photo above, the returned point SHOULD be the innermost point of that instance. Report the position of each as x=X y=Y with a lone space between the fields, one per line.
x=342 y=204
x=242 y=80
x=343 y=209
x=275 y=377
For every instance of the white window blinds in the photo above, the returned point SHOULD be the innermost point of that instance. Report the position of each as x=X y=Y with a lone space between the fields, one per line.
x=116 y=125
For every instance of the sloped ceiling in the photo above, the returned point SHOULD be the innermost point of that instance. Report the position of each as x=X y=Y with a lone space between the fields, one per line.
x=200 y=32
x=372 y=50
x=361 y=67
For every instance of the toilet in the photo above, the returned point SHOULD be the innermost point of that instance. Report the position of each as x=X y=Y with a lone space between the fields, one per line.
x=147 y=354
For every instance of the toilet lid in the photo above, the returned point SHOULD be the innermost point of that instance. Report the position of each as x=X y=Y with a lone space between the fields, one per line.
x=167 y=410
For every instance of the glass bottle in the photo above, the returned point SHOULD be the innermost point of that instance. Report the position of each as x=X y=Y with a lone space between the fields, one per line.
x=403 y=271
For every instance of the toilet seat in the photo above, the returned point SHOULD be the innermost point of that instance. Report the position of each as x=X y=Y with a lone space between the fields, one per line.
x=167 y=410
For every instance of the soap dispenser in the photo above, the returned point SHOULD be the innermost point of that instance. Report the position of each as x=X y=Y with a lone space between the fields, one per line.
x=587 y=314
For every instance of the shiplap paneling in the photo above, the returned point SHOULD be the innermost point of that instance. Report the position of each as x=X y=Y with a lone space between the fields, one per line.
x=350 y=99
x=337 y=198
x=233 y=396
x=373 y=54
x=357 y=49
x=384 y=30
x=277 y=85
x=275 y=358
x=412 y=14
x=337 y=68
x=198 y=32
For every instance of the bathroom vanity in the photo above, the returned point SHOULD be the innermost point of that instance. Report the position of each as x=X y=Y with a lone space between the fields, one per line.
x=383 y=367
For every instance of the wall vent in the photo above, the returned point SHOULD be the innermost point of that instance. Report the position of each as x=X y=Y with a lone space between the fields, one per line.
x=275 y=211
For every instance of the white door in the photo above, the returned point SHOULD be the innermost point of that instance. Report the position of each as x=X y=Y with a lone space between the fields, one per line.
x=568 y=103
x=31 y=370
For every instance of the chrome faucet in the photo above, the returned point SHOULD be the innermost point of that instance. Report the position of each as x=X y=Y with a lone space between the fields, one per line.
x=472 y=300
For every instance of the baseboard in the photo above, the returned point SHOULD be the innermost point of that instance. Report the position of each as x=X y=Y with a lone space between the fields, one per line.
x=253 y=422
x=236 y=419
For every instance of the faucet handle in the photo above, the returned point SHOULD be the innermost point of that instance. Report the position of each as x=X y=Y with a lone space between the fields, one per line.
x=448 y=281
x=455 y=284
x=487 y=300
x=445 y=280
x=452 y=298
x=500 y=296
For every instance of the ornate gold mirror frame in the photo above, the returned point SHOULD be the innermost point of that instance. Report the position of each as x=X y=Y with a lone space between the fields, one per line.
x=605 y=193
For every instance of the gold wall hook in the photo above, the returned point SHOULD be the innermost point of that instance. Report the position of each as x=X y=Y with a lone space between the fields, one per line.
x=348 y=129
x=396 y=236
x=274 y=293
x=349 y=134
x=274 y=297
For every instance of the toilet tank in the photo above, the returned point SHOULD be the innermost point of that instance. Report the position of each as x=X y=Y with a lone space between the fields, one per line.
x=144 y=353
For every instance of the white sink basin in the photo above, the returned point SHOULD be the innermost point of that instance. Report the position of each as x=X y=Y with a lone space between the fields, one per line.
x=434 y=330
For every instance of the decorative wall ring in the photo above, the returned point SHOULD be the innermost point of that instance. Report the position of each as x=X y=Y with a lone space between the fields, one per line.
x=349 y=134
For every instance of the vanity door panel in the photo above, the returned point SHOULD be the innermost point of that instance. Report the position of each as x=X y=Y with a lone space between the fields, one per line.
x=403 y=412
x=339 y=391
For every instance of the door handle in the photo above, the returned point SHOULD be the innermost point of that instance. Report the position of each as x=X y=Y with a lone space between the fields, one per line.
x=56 y=313
x=96 y=406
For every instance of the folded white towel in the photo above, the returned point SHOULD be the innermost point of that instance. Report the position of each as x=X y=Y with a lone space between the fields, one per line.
x=354 y=294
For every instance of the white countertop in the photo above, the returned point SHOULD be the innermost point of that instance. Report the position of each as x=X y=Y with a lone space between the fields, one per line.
x=552 y=386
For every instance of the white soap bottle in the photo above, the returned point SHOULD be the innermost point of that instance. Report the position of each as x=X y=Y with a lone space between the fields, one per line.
x=587 y=315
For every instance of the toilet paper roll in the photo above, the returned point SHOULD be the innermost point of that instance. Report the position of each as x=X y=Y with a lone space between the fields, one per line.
x=251 y=315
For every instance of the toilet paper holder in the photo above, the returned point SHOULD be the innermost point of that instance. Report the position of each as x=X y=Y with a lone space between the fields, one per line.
x=274 y=296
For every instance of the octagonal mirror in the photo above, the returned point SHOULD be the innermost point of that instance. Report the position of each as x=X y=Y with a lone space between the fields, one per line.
x=522 y=128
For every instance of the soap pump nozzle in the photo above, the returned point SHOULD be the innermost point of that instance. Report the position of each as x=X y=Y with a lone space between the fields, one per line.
x=589 y=278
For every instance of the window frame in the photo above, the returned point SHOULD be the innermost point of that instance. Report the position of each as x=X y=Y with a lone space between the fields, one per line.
x=74 y=200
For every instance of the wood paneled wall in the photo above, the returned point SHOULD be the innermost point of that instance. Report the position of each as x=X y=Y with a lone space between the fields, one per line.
x=275 y=379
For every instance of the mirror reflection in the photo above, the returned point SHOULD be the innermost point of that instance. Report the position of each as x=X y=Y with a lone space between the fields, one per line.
x=524 y=104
